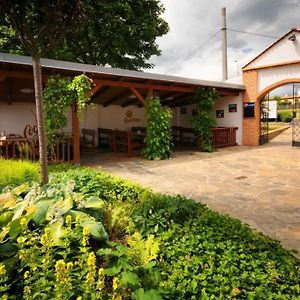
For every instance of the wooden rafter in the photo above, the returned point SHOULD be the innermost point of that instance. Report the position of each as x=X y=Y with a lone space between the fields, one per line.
x=129 y=102
x=138 y=85
x=95 y=89
x=138 y=95
x=2 y=78
x=178 y=100
x=115 y=98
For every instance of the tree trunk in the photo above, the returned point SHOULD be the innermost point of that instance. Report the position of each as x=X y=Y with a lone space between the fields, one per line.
x=37 y=75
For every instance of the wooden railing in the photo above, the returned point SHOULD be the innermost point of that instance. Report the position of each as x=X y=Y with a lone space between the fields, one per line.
x=22 y=148
x=224 y=136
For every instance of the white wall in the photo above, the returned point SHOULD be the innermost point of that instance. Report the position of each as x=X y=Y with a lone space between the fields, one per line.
x=283 y=51
x=231 y=119
x=266 y=77
x=14 y=118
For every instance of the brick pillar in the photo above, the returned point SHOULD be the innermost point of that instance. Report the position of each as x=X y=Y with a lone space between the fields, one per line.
x=251 y=126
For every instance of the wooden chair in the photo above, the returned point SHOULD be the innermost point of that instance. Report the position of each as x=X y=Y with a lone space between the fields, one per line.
x=88 y=138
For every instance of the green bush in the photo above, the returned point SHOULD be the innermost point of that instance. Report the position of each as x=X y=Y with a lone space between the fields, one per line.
x=285 y=116
x=15 y=172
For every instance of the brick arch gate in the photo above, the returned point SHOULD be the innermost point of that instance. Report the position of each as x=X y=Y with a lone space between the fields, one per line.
x=278 y=65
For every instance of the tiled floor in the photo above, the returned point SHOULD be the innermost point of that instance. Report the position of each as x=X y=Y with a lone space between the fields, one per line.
x=258 y=185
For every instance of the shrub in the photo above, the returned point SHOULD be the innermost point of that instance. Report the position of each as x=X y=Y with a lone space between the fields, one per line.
x=159 y=136
x=15 y=172
x=285 y=116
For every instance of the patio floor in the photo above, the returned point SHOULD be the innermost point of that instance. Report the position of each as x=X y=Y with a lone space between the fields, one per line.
x=258 y=185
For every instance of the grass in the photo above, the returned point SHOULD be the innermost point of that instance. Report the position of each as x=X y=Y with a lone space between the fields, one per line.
x=14 y=172
x=276 y=125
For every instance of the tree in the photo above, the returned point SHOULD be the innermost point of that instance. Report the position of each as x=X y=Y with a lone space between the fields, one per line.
x=40 y=27
x=118 y=33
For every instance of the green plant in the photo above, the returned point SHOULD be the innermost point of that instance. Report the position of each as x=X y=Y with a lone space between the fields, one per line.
x=205 y=99
x=59 y=94
x=15 y=172
x=285 y=116
x=159 y=137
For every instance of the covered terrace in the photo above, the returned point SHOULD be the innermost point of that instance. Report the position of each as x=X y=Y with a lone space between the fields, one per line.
x=112 y=87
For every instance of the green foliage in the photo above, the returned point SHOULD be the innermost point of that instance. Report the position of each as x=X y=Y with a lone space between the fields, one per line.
x=119 y=33
x=285 y=116
x=159 y=136
x=205 y=99
x=59 y=94
x=15 y=172
x=158 y=246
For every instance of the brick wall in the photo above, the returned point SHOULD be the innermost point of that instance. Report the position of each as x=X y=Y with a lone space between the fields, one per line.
x=251 y=126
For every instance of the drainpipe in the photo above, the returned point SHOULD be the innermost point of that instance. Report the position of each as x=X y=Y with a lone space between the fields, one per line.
x=224 y=45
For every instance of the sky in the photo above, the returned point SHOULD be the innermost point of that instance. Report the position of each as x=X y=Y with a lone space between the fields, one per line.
x=186 y=52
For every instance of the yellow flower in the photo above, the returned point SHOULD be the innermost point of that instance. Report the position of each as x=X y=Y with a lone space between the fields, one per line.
x=21 y=240
x=69 y=220
x=2 y=270
x=23 y=222
x=26 y=274
x=27 y=290
x=46 y=238
x=79 y=298
x=69 y=265
x=91 y=260
x=86 y=231
x=115 y=283
x=77 y=219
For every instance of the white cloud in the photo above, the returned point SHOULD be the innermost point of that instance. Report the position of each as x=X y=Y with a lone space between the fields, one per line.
x=193 y=22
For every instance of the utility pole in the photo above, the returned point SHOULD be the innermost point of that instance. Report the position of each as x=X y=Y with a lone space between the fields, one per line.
x=224 y=45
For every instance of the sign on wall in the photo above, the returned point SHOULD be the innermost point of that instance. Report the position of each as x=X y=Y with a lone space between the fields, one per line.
x=232 y=108
x=220 y=113
x=249 y=109
x=129 y=117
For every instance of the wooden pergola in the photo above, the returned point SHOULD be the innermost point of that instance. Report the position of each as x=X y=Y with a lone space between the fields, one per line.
x=111 y=86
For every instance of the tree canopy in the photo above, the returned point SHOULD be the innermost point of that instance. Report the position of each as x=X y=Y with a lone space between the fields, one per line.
x=117 y=33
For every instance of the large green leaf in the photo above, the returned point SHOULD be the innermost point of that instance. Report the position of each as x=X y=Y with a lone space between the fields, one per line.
x=96 y=229
x=129 y=279
x=39 y=216
x=8 y=249
x=57 y=233
x=94 y=203
x=140 y=294
x=5 y=217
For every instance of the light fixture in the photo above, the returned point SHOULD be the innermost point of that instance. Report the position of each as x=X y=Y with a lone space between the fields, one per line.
x=169 y=98
x=131 y=97
x=27 y=90
x=292 y=38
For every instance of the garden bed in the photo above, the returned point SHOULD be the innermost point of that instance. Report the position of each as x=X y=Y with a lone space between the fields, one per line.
x=90 y=235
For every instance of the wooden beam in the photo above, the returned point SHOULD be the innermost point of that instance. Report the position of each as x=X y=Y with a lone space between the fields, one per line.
x=147 y=86
x=178 y=100
x=115 y=98
x=138 y=95
x=129 y=102
x=2 y=78
x=76 y=135
x=223 y=93
x=95 y=89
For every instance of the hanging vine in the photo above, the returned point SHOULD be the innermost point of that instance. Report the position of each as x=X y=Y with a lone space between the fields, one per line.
x=205 y=99
x=59 y=94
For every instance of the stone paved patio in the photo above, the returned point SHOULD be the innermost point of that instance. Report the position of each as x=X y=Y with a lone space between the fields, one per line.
x=258 y=185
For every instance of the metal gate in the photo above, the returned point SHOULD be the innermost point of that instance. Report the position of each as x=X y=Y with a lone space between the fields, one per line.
x=296 y=120
x=264 y=120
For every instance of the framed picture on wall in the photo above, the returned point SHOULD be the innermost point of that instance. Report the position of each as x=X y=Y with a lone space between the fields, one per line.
x=232 y=108
x=220 y=113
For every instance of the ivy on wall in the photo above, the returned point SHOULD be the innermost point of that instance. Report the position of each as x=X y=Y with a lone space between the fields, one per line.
x=159 y=135
x=205 y=99
x=59 y=94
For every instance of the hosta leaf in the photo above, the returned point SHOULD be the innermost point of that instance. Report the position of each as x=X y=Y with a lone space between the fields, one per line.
x=39 y=216
x=21 y=189
x=8 y=200
x=15 y=228
x=57 y=233
x=5 y=217
x=8 y=249
x=96 y=229
x=94 y=203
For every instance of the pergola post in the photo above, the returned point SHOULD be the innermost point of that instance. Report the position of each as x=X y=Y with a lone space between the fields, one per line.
x=76 y=136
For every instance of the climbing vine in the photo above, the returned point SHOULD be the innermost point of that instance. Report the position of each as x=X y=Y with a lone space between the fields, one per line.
x=205 y=99
x=159 y=136
x=59 y=94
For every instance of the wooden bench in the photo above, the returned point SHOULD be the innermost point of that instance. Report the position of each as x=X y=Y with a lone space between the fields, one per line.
x=105 y=138
x=88 y=138
x=123 y=140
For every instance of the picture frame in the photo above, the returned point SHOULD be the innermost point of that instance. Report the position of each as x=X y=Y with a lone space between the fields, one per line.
x=232 y=108
x=220 y=113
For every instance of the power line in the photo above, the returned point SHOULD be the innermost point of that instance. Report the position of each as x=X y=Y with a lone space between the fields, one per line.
x=252 y=33
x=193 y=52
